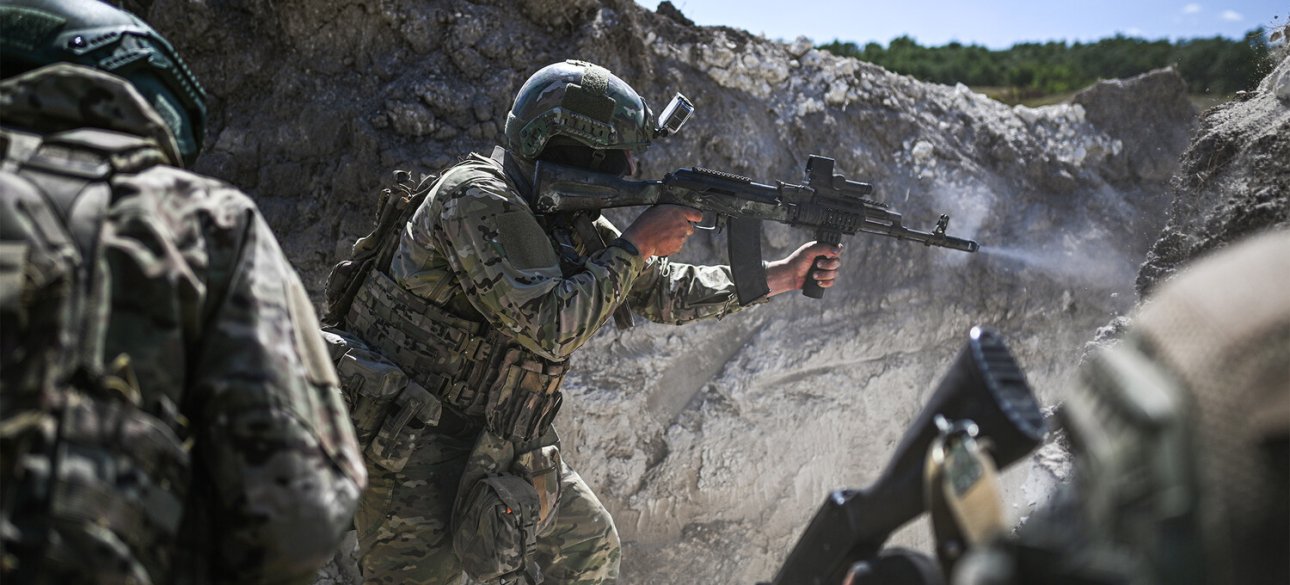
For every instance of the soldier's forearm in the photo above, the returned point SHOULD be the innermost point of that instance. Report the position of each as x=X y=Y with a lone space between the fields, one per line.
x=681 y=293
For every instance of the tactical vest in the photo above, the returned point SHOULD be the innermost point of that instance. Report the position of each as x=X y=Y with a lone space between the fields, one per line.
x=470 y=368
x=92 y=484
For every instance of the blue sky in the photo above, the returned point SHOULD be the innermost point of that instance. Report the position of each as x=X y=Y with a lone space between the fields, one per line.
x=996 y=24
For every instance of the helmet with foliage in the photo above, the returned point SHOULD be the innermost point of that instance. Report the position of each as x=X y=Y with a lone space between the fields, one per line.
x=35 y=33
x=582 y=102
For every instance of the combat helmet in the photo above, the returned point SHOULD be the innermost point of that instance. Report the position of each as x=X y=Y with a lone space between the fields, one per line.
x=587 y=104
x=35 y=33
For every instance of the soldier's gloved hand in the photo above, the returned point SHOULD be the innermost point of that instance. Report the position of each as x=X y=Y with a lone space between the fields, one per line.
x=790 y=273
x=662 y=229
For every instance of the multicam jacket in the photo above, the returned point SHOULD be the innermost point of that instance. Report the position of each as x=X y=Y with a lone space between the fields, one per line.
x=477 y=239
x=214 y=326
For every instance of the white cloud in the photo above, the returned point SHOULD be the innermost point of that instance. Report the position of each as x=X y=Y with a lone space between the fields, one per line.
x=1192 y=8
x=1232 y=16
x=1134 y=31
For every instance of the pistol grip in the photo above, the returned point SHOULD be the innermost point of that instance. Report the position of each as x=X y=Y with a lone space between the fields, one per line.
x=812 y=288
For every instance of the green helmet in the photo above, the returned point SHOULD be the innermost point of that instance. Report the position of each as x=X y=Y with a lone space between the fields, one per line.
x=583 y=102
x=35 y=33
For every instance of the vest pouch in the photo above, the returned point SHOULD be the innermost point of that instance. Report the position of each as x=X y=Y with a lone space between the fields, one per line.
x=525 y=397
x=542 y=468
x=389 y=411
x=448 y=355
x=495 y=529
x=415 y=408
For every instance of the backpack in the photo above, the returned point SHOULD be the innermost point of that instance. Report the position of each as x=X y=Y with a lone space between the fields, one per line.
x=394 y=209
x=92 y=486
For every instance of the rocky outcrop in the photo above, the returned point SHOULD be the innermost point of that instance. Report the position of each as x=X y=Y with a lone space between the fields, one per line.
x=713 y=443
x=1234 y=180
x=1120 y=107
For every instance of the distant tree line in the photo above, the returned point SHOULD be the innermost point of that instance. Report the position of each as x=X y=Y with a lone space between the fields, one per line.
x=1213 y=65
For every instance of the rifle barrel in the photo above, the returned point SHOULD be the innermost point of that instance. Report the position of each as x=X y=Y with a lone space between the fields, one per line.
x=926 y=238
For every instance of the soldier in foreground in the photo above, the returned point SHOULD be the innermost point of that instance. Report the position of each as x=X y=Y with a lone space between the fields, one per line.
x=1180 y=441
x=455 y=342
x=1180 y=436
x=167 y=409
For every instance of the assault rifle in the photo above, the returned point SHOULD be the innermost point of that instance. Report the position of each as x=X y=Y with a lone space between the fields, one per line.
x=829 y=203
x=938 y=461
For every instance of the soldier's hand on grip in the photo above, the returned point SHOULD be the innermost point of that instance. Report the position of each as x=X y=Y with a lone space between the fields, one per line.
x=662 y=229
x=790 y=273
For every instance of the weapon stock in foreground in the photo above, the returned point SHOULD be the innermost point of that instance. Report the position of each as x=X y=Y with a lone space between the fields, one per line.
x=984 y=385
x=828 y=203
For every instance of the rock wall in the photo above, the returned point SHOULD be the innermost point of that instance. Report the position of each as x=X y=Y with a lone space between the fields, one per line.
x=713 y=443
x=1234 y=180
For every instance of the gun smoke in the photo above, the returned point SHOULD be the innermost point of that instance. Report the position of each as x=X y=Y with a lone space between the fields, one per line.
x=1095 y=266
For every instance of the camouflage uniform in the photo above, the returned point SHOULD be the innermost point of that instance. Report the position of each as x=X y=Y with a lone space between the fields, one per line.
x=1180 y=441
x=476 y=250
x=215 y=365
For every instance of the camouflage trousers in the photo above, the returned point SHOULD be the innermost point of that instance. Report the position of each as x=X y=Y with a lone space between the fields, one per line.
x=404 y=524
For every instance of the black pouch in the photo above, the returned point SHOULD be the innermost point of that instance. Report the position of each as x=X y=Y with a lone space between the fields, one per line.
x=495 y=529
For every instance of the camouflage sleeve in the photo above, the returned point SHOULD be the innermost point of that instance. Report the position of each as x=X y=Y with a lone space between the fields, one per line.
x=511 y=274
x=675 y=293
x=275 y=450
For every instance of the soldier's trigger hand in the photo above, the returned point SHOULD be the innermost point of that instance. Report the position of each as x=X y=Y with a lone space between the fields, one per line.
x=662 y=229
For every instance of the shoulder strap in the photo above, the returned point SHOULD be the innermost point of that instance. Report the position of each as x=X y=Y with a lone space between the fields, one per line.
x=76 y=439
x=410 y=197
x=71 y=172
x=55 y=199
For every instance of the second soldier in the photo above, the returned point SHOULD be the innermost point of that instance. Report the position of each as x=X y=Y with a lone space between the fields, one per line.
x=452 y=350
